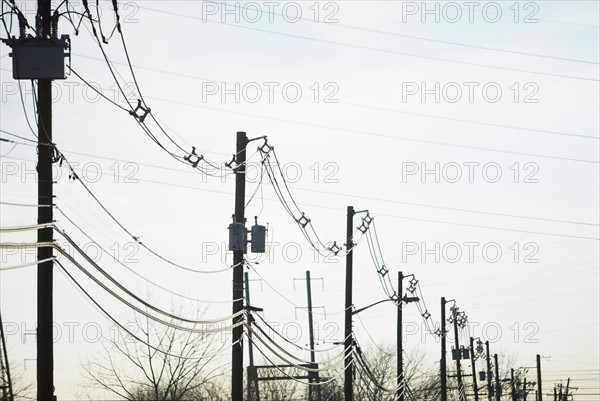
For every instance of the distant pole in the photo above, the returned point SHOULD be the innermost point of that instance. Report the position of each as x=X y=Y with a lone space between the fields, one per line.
x=443 y=356
x=4 y=357
x=45 y=346
x=237 y=353
x=311 y=335
x=497 y=374
x=567 y=389
x=539 y=376
x=489 y=370
x=399 y=345
x=473 y=369
x=512 y=384
x=348 y=340
x=461 y=390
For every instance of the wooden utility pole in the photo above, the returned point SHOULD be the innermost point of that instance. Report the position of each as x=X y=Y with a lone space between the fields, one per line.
x=461 y=390
x=237 y=354
x=7 y=389
x=489 y=370
x=311 y=335
x=512 y=384
x=348 y=338
x=498 y=389
x=539 y=376
x=473 y=369
x=399 y=347
x=45 y=346
x=443 y=356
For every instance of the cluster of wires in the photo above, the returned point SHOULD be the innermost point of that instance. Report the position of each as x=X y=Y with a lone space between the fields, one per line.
x=374 y=386
x=285 y=196
x=414 y=287
x=116 y=290
x=140 y=111
x=261 y=335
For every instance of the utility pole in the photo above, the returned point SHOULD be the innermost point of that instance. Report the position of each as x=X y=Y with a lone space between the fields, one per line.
x=498 y=390
x=311 y=335
x=399 y=347
x=567 y=389
x=237 y=354
x=539 y=376
x=7 y=389
x=443 y=358
x=45 y=346
x=524 y=389
x=348 y=338
x=473 y=369
x=461 y=390
x=512 y=384
x=489 y=370
x=252 y=380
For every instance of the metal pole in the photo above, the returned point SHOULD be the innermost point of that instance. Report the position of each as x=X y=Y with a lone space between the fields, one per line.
x=498 y=388
x=348 y=339
x=11 y=396
x=237 y=354
x=473 y=369
x=399 y=346
x=461 y=390
x=443 y=358
x=311 y=334
x=539 y=376
x=489 y=370
x=45 y=347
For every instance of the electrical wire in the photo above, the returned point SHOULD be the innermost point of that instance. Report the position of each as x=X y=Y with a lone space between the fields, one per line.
x=379 y=50
x=178 y=294
x=121 y=326
x=127 y=291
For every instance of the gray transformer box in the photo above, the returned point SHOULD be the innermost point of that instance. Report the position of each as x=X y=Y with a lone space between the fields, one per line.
x=258 y=239
x=37 y=58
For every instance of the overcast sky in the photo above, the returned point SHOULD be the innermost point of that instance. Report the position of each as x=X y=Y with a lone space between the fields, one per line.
x=465 y=133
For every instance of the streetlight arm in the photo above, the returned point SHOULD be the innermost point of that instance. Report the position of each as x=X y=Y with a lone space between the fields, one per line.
x=404 y=299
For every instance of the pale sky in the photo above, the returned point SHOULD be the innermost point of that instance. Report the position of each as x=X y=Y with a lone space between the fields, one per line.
x=362 y=134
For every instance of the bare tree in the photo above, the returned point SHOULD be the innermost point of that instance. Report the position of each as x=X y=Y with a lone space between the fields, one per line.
x=169 y=365
x=23 y=390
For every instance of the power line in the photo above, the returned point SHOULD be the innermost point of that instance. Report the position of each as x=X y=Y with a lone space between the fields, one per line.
x=365 y=106
x=386 y=51
x=446 y=42
x=346 y=195
x=446 y=222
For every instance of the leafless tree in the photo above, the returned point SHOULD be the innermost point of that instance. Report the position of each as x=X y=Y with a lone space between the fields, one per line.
x=23 y=390
x=169 y=365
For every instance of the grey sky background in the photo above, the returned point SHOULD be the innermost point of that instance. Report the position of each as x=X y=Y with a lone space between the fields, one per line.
x=356 y=151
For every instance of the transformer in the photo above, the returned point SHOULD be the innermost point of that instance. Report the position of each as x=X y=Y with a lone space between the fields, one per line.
x=38 y=58
x=258 y=238
x=237 y=237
